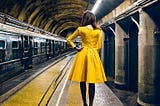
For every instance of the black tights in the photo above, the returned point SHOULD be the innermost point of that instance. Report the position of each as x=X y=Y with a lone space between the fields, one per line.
x=91 y=92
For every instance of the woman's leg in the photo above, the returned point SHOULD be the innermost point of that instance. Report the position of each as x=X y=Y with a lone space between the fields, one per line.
x=83 y=92
x=91 y=93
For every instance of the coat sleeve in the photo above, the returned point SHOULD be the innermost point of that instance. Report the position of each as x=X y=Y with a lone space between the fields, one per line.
x=72 y=37
x=99 y=41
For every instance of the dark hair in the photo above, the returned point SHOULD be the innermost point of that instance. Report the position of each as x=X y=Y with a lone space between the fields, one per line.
x=88 y=18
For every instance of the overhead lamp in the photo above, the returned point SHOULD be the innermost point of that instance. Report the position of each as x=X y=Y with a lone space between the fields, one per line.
x=95 y=7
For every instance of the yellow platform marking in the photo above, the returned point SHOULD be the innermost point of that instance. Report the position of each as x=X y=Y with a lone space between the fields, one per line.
x=53 y=87
x=63 y=87
x=32 y=93
x=74 y=95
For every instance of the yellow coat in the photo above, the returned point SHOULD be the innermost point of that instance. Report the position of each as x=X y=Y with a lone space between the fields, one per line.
x=87 y=66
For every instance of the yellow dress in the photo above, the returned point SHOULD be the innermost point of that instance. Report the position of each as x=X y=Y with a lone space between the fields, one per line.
x=87 y=66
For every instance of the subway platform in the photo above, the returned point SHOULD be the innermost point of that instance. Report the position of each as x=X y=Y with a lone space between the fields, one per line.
x=50 y=87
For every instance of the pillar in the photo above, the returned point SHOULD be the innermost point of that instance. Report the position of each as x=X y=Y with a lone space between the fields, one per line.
x=148 y=62
x=120 y=73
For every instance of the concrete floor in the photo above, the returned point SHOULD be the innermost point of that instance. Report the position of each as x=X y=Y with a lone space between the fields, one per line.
x=128 y=98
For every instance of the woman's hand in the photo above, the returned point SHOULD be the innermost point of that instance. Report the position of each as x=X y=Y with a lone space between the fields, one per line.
x=78 y=49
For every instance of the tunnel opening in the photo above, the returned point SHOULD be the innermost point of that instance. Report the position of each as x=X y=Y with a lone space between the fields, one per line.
x=64 y=33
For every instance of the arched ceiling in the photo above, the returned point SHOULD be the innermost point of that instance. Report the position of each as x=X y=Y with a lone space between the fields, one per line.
x=55 y=16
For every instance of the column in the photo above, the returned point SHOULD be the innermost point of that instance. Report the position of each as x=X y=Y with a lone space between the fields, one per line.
x=148 y=62
x=120 y=73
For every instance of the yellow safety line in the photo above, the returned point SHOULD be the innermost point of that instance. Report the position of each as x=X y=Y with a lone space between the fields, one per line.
x=31 y=94
x=61 y=91
x=54 y=85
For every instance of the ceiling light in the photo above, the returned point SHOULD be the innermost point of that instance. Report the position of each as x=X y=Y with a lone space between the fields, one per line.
x=95 y=7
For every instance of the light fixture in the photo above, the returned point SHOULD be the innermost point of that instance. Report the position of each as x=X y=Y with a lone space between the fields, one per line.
x=96 y=5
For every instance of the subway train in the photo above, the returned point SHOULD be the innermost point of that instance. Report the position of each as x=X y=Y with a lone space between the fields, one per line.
x=21 y=49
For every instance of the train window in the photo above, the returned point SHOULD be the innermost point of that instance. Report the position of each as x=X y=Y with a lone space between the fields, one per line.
x=15 y=50
x=25 y=43
x=14 y=44
x=35 y=44
x=42 y=44
x=35 y=48
x=2 y=44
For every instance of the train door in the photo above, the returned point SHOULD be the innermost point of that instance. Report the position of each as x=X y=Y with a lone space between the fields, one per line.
x=48 y=48
x=15 y=49
x=27 y=51
x=2 y=50
x=55 y=48
x=2 y=53
x=133 y=58
x=30 y=51
x=53 y=51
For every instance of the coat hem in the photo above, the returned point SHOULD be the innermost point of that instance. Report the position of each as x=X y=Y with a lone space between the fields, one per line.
x=88 y=81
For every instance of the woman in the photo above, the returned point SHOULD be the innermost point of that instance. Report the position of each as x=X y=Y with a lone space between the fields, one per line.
x=87 y=67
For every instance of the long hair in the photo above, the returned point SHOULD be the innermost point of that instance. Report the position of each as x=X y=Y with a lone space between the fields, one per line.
x=88 y=18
